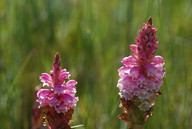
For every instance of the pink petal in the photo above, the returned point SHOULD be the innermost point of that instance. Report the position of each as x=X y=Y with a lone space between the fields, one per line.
x=76 y=99
x=69 y=100
x=59 y=89
x=124 y=71
x=71 y=91
x=120 y=85
x=141 y=81
x=134 y=72
x=43 y=102
x=42 y=93
x=63 y=76
x=128 y=82
x=46 y=79
x=154 y=72
x=134 y=50
x=127 y=95
x=67 y=97
x=70 y=84
x=157 y=60
x=128 y=61
x=54 y=102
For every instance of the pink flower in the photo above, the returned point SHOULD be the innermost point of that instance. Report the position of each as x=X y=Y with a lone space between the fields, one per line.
x=61 y=95
x=141 y=76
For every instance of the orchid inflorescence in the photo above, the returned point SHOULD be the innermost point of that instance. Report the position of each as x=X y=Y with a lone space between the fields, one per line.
x=59 y=101
x=141 y=76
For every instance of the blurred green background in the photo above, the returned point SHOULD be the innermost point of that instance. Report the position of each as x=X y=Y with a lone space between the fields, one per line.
x=92 y=37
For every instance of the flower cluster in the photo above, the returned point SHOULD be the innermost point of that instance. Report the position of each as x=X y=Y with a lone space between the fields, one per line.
x=61 y=95
x=141 y=76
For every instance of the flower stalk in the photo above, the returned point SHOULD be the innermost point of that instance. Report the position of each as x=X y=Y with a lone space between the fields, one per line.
x=140 y=78
x=59 y=100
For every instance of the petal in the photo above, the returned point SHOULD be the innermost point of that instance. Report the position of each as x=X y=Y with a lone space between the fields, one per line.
x=124 y=71
x=128 y=82
x=59 y=89
x=142 y=81
x=70 y=84
x=131 y=60
x=42 y=93
x=127 y=94
x=67 y=97
x=46 y=79
x=134 y=50
x=76 y=99
x=43 y=102
x=63 y=75
x=71 y=91
x=154 y=72
x=120 y=85
x=157 y=60
x=134 y=72
x=54 y=102
x=69 y=100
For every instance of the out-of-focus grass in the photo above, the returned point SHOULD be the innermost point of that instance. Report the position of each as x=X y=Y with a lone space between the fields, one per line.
x=92 y=37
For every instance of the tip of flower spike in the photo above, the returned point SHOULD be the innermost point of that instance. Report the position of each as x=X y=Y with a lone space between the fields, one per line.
x=149 y=22
x=57 y=58
x=56 y=63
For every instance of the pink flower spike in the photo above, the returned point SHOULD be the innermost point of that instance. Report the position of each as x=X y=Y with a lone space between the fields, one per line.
x=140 y=77
x=59 y=102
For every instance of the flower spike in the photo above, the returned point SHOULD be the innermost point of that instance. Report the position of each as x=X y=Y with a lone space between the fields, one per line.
x=149 y=22
x=140 y=78
x=58 y=102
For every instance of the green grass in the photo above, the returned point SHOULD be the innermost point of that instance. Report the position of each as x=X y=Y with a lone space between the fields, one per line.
x=92 y=37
